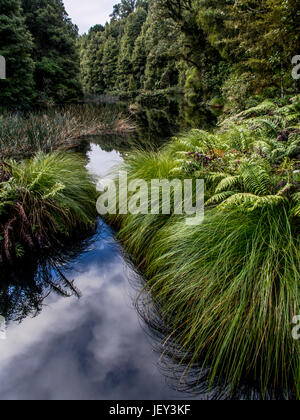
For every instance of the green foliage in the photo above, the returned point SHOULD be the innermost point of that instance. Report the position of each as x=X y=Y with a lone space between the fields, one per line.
x=16 y=46
x=133 y=53
x=38 y=41
x=42 y=201
x=132 y=30
x=228 y=289
x=237 y=51
x=54 y=53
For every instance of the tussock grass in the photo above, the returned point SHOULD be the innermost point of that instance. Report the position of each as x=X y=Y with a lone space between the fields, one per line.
x=43 y=201
x=227 y=289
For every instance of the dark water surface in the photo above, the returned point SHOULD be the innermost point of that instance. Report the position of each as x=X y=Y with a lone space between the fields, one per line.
x=94 y=347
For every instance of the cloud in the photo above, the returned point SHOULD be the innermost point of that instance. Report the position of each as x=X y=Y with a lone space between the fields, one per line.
x=88 y=13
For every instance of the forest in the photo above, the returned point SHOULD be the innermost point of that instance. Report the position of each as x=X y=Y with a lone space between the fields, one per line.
x=38 y=41
x=217 y=51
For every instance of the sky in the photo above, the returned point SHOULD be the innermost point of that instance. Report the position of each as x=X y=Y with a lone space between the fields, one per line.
x=87 y=13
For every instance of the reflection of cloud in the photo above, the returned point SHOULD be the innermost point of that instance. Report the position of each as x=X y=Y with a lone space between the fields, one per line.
x=101 y=162
x=93 y=348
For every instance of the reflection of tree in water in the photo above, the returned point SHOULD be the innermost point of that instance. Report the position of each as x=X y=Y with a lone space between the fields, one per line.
x=155 y=125
x=158 y=124
x=24 y=287
x=120 y=143
x=182 y=372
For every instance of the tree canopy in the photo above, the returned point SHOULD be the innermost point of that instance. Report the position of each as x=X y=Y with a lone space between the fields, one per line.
x=38 y=41
x=211 y=48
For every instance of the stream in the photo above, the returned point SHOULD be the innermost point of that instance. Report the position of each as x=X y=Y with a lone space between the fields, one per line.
x=93 y=347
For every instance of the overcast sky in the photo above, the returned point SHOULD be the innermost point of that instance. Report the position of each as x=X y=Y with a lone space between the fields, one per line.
x=87 y=13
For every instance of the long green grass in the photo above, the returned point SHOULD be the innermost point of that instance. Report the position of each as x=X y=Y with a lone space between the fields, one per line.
x=228 y=289
x=43 y=201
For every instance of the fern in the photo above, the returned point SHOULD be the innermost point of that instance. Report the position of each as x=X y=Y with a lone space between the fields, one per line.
x=251 y=202
x=228 y=182
x=218 y=198
x=256 y=179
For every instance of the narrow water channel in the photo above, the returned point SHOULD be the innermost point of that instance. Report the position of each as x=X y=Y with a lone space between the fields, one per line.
x=94 y=347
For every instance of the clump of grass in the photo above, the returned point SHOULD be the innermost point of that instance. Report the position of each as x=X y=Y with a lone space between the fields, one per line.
x=22 y=135
x=227 y=289
x=43 y=201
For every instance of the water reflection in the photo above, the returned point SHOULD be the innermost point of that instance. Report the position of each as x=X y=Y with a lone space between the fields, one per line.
x=25 y=286
x=92 y=348
x=87 y=348
x=157 y=123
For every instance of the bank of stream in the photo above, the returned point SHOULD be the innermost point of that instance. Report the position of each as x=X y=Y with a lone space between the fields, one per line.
x=60 y=346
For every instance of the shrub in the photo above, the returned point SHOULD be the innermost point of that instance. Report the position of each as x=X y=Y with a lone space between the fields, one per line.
x=43 y=201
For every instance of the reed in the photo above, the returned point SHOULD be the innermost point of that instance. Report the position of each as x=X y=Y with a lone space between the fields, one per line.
x=22 y=135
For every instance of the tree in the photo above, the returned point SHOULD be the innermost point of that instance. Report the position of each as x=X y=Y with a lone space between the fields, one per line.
x=126 y=7
x=162 y=44
x=16 y=46
x=194 y=47
x=133 y=27
x=55 y=54
x=139 y=58
x=258 y=36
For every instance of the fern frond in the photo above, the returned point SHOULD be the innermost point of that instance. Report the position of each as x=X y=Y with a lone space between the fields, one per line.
x=216 y=176
x=228 y=182
x=240 y=199
x=252 y=202
x=256 y=179
x=268 y=201
x=218 y=198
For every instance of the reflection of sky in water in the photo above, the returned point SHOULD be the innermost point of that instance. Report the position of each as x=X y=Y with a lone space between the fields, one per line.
x=92 y=348
x=101 y=162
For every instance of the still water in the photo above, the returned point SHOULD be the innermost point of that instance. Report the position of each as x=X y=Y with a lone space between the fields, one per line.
x=92 y=347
